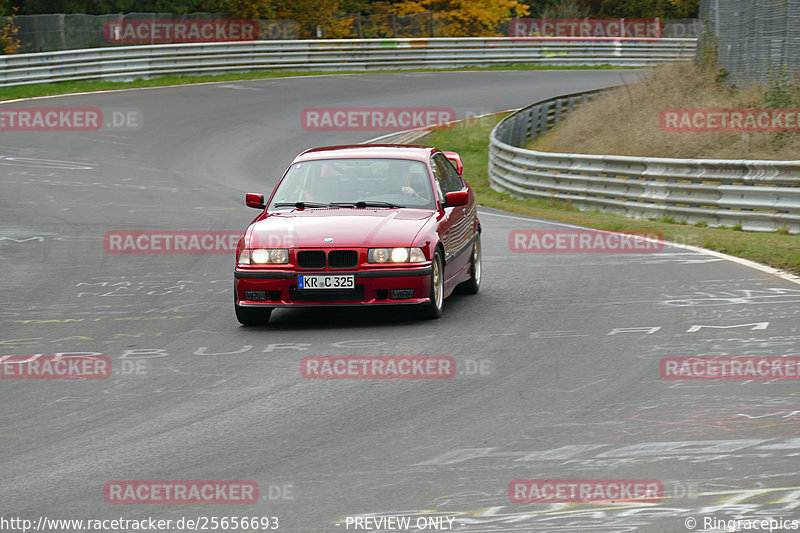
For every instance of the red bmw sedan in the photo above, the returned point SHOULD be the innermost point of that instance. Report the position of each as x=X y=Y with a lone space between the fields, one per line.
x=360 y=225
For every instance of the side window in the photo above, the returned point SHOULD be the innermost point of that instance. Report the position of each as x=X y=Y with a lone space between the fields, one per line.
x=440 y=176
x=451 y=181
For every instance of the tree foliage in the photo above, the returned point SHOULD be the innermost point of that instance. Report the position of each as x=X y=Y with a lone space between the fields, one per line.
x=102 y=7
x=242 y=9
x=614 y=8
x=8 y=36
x=314 y=14
x=464 y=17
x=644 y=8
x=467 y=18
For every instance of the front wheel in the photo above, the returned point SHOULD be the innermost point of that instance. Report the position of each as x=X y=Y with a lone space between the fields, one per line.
x=253 y=316
x=473 y=284
x=433 y=309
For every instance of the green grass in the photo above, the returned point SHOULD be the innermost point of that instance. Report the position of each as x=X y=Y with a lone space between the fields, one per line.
x=470 y=140
x=69 y=87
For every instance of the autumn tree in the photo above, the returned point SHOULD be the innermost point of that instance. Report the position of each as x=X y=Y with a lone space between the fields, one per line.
x=242 y=9
x=314 y=14
x=643 y=8
x=8 y=36
x=467 y=18
x=566 y=9
x=102 y=7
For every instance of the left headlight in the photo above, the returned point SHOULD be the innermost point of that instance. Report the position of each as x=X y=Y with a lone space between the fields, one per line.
x=396 y=255
x=264 y=256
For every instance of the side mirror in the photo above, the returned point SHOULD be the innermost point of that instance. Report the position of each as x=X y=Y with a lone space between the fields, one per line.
x=457 y=198
x=456 y=160
x=254 y=200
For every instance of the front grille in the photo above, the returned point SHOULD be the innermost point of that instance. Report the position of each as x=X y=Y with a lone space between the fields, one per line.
x=333 y=295
x=342 y=259
x=311 y=259
x=336 y=259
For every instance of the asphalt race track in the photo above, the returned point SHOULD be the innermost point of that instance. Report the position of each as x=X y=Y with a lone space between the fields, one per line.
x=557 y=357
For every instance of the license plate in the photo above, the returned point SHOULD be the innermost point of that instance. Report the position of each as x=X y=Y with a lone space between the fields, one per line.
x=311 y=282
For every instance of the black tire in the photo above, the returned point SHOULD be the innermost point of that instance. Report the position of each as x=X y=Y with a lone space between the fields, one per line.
x=433 y=309
x=473 y=284
x=253 y=316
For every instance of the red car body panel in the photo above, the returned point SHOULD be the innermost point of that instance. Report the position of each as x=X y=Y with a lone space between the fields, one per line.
x=450 y=228
x=368 y=227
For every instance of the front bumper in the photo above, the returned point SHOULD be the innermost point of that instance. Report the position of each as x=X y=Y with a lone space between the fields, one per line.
x=379 y=286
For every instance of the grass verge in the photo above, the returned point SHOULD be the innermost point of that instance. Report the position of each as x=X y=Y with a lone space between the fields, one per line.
x=627 y=119
x=70 y=87
x=470 y=140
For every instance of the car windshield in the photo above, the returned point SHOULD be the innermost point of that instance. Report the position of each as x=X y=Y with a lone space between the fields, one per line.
x=356 y=183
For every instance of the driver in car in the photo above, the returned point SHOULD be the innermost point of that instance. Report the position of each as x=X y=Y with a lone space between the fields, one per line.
x=411 y=183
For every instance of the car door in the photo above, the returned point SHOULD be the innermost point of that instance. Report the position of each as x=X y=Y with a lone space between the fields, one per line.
x=455 y=228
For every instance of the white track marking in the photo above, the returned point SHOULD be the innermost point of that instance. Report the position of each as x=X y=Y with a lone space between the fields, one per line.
x=788 y=276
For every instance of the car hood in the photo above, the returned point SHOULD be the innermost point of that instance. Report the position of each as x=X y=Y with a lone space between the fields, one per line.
x=347 y=227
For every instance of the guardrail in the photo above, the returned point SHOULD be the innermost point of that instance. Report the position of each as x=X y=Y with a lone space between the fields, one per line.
x=144 y=61
x=756 y=195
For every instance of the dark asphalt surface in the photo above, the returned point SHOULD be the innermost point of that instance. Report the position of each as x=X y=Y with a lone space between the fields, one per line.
x=570 y=343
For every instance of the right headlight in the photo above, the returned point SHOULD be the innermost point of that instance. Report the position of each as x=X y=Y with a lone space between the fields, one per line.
x=396 y=255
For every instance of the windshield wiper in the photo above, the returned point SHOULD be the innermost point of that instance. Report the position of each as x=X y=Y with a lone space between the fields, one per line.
x=299 y=205
x=364 y=203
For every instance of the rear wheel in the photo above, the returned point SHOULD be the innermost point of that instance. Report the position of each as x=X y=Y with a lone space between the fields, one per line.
x=433 y=309
x=473 y=285
x=252 y=316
